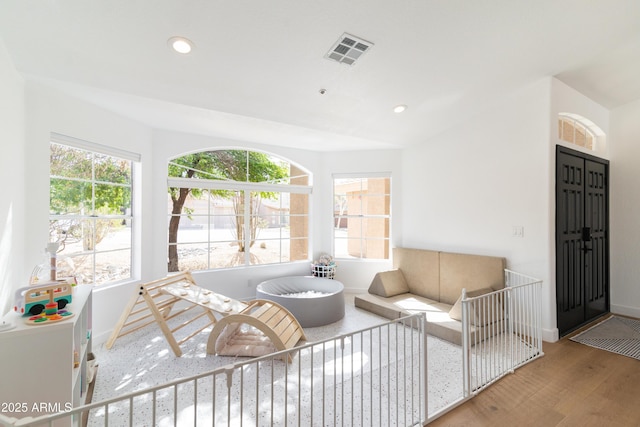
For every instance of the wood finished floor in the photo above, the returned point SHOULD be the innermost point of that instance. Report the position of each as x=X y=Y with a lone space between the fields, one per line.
x=571 y=385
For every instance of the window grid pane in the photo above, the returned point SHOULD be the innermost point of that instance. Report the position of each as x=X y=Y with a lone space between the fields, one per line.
x=252 y=227
x=574 y=132
x=362 y=212
x=91 y=220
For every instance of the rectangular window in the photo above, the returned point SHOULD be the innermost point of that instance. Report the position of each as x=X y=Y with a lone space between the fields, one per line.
x=217 y=227
x=91 y=211
x=362 y=216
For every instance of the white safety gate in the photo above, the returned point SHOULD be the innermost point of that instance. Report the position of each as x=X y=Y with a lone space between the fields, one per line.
x=504 y=331
x=372 y=377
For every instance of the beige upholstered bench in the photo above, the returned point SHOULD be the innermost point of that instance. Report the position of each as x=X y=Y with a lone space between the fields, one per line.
x=431 y=282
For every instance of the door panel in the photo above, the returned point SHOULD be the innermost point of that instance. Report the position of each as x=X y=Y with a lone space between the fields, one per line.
x=569 y=224
x=582 y=247
x=596 y=271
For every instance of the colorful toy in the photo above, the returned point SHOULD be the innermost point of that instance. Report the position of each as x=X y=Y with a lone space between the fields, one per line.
x=33 y=300
x=45 y=301
x=41 y=319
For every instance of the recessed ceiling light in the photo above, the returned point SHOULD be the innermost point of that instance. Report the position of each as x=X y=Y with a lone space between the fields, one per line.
x=399 y=108
x=180 y=44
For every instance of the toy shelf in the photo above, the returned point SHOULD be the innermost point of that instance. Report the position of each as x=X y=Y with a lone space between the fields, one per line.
x=38 y=361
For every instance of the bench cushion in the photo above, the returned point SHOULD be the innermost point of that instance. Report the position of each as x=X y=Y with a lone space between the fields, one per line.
x=388 y=284
x=439 y=324
x=421 y=270
x=458 y=271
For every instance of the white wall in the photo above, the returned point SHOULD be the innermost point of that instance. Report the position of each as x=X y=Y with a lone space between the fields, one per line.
x=625 y=208
x=465 y=190
x=49 y=110
x=12 y=170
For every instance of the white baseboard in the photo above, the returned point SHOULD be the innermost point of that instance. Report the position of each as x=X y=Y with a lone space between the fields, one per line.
x=550 y=335
x=625 y=310
x=101 y=338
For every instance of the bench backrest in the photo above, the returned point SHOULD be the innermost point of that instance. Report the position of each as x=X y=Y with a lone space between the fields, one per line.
x=441 y=276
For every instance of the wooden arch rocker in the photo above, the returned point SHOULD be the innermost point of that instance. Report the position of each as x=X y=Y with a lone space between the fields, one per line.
x=273 y=327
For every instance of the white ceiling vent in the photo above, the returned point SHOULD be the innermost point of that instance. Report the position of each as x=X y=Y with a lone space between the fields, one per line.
x=348 y=49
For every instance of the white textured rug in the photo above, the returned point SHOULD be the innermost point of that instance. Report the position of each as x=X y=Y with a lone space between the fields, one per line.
x=143 y=359
x=619 y=335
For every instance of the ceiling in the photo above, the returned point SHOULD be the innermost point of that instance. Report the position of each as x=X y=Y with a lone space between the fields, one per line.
x=258 y=66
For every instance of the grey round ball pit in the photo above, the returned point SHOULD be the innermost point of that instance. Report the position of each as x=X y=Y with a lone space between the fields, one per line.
x=316 y=310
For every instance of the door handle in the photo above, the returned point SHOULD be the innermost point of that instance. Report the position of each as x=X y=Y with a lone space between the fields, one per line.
x=585 y=236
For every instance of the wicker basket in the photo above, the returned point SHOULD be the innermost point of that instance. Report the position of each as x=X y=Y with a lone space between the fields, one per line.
x=325 y=271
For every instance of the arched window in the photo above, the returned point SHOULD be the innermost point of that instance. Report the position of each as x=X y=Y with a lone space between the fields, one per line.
x=578 y=130
x=235 y=207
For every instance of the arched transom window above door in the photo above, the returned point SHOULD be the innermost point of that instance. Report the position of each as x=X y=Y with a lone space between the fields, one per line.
x=579 y=131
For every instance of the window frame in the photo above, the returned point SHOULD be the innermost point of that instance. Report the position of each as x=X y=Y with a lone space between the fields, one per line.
x=336 y=217
x=134 y=160
x=578 y=123
x=247 y=187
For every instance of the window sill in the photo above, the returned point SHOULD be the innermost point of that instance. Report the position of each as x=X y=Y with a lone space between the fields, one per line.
x=99 y=288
